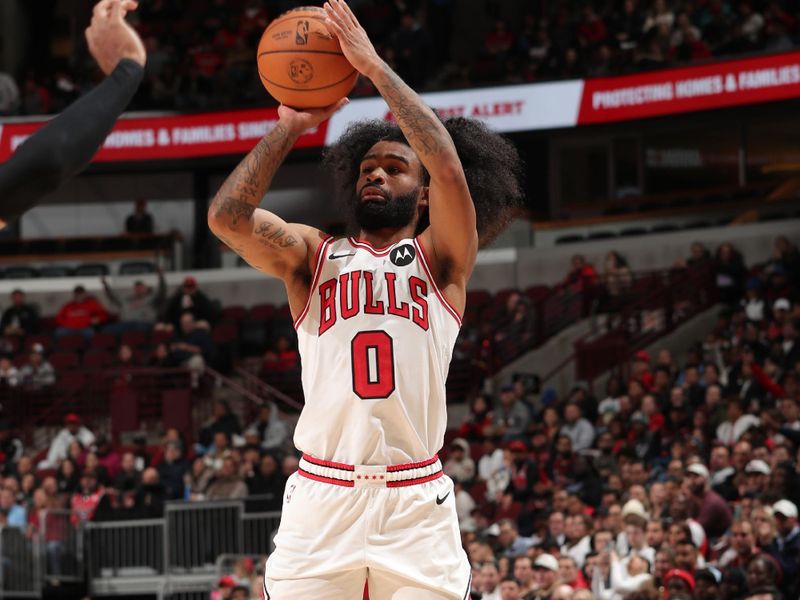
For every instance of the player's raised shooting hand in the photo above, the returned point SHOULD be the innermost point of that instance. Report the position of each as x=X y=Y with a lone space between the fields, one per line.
x=354 y=41
x=111 y=38
x=299 y=120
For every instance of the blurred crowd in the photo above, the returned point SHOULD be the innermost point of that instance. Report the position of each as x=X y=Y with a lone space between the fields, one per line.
x=201 y=55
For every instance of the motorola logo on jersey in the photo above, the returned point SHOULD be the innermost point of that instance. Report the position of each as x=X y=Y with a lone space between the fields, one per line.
x=403 y=255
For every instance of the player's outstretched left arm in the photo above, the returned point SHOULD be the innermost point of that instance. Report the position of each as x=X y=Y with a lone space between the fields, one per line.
x=453 y=233
x=63 y=148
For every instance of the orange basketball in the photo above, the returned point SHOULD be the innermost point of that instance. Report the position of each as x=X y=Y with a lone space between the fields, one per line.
x=300 y=63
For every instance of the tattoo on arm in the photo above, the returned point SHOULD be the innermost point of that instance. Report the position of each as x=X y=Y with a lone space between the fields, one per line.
x=419 y=123
x=274 y=237
x=240 y=195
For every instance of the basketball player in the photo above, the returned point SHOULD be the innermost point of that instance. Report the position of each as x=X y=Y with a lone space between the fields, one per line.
x=63 y=148
x=377 y=317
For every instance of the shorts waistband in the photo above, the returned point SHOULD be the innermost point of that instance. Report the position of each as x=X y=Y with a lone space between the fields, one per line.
x=361 y=476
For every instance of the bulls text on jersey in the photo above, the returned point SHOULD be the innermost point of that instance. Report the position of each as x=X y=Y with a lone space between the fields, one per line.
x=344 y=298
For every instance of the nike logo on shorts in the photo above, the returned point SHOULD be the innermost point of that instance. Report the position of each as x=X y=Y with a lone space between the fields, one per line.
x=442 y=499
x=335 y=256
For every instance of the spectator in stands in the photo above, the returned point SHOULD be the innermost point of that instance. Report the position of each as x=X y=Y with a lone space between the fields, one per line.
x=511 y=417
x=219 y=451
x=196 y=479
x=582 y=278
x=11 y=449
x=129 y=476
x=478 y=422
x=81 y=315
x=272 y=430
x=617 y=279
x=149 y=497
x=140 y=221
x=266 y=480
x=21 y=318
x=172 y=470
x=159 y=358
x=460 y=466
x=282 y=357
x=90 y=502
x=737 y=424
x=192 y=348
x=139 y=310
x=108 y=458
x=762 y=571
x=72 y=431
x=786 y=547
x=743 y=545
x=710 y=510
x=227 y=483
x=223 y=420
x=9 y=374
x=730 y=274
x=577 y=428
x=546 y=578
x=190 y=298
x=16 y=515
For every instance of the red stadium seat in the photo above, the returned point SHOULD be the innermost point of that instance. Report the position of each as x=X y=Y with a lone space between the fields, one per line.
x=160 y=337
x=234 y=313
x=64 y=360
x=71 y=342
x=478 y=297
x=537 y=292
x=262 y=312
x=103 y=341
x=225 y=333
x=97 y=359
x=134 y=339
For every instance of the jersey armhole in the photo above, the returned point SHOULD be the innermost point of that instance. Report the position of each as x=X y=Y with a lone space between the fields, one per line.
x=319 y=260
x=439 y=294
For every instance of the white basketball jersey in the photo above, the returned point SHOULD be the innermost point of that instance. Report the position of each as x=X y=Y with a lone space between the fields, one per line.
x=375 y=340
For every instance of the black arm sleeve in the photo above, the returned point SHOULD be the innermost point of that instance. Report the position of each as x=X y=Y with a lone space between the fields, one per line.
x=64 y=147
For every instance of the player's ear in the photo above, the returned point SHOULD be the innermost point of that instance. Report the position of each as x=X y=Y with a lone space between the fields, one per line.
x=423 y=195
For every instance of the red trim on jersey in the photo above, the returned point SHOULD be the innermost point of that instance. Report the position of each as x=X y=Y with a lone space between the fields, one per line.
x=418 y=480
x=416 y=465
x=327 y=463
x=364 y=245
x=326 y=479
x=448 y=307
x=319 y=260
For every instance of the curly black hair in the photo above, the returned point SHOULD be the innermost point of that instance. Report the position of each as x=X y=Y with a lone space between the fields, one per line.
x=491 y=164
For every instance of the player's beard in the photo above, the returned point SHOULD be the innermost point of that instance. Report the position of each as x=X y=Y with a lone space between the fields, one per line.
x=394 y=212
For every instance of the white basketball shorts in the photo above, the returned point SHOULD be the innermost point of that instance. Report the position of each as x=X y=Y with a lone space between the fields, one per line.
x=393 y=527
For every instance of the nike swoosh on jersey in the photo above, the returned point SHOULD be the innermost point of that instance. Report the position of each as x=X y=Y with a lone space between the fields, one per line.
x=441 y=500
x=335 y=256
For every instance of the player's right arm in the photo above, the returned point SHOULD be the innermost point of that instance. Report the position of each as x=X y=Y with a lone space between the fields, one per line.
x=260 y=237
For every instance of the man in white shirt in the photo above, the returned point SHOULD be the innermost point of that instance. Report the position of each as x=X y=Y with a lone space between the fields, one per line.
x=59 y=448
x=731 y=430
x=579 y=539
x=491 y=581
x=576 y=428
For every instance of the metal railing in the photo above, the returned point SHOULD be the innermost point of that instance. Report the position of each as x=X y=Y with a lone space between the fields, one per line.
x=20 y=564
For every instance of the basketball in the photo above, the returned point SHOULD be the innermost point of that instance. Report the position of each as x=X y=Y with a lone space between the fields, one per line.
x=301 y=64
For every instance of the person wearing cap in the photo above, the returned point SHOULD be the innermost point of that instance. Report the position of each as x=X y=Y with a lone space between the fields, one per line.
x=757 y=472
x=780 y=309
x=545 y=577
x=139 y=309
x=678 y=581
x=59 y=447
x=706 y=583
x=190 y=298
x=90 y=502
x=37 y=373
x=786 y=546
x=21 y=318
x=706 y=506
x=737 y=423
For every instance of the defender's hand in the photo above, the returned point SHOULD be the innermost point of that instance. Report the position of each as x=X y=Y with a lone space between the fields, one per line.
x=354 y=41
x=299 y=120
x=111 y=38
